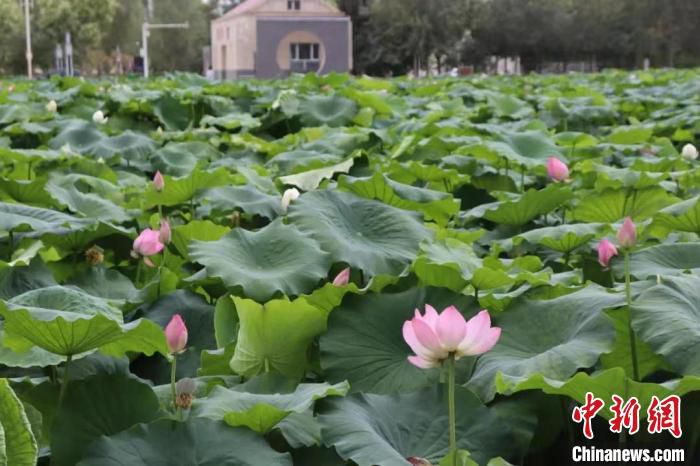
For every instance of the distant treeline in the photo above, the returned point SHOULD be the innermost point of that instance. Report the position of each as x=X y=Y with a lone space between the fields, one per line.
x=395 y=35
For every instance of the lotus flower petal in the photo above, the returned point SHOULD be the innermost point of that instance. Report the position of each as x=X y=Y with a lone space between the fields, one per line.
x=451 y=328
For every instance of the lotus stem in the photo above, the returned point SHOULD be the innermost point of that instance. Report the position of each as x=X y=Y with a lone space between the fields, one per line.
x=173 y=367
x=137 y=280
x=11 y=245
x=628 y=299
x=64 y=380
x=451 y=408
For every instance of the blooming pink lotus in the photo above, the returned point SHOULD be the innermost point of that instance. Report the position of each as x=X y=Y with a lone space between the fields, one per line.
x=606 y=251
x=158 y=181
x=557 y=170
x=165 y=234
x=627 y=235
x=147 y=244
x=176 y=334
x=342 y=278
x=434 y=337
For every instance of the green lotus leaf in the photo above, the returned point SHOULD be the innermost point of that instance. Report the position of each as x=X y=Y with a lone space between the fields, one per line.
x=608 y=177
x=682 y=216
x=551 y=337
x=374 y=429
x=231 y=121
x=89 y=205
x=629 y=135
x=197 y=442
x=14 y=216
x=329 y=110
x=180 y=158
x=648 y=361
x=436 y=205
x=506 y=105
x=309 y=180
x=77 y=239
x=80 y=136
x=105 y=283
x=603 y=385
x=562 y=238
x=664 y=260
x=301 y=430
x=275 y=258
x=129 y=145
x=449 y=263
x=197 y=230
x=666 y=317
x=19 y=279
x=365 y=234
x=302 y=160
x=248 y=199
x=275 y=336
x=98 y=406
x=33 y=357
x=65 y=299
x=262 y=411
x=364 y=345
x=179 y=191
x=612 y=205
x=526 y=208
x=77 y=329
x=18 y=447
x=529 y=148
x=170 y=110
x=26 y=192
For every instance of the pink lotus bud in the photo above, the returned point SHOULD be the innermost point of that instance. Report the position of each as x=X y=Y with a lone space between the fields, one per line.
x=627 y=236
x=606 y=251
x=158 y=181
x=557 y=170
x=433 y=337
x=176 y=334
x=342 y=278
x=148 y=243
x=165 y=235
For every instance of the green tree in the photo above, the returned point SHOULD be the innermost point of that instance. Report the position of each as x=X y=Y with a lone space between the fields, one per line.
x=11 y=37
x=178 y=49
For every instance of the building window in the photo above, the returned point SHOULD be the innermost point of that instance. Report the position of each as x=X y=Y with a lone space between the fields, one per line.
x=294 y=4
x=304 y=57
x=304 y=51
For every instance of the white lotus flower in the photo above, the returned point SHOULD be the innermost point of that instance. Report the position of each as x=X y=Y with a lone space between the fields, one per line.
x=99 y=117
x=289 y=196
x=52 y=106
x=689 y=152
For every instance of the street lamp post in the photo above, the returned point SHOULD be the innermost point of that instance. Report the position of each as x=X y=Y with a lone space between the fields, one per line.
x=145 y=32
x=28 y=32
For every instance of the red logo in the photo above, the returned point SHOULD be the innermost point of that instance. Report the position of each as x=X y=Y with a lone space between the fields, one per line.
x=663 y=415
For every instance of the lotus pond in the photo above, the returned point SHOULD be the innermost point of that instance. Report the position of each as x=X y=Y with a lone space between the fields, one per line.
x=197 y=273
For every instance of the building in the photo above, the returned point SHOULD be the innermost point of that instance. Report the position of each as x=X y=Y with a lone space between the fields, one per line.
x=272 y=38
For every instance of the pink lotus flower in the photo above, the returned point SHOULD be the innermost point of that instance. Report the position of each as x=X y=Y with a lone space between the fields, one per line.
x=158 y=181
x=147 y=244
x=433 y=337
x=627 y=235
x=176 y=334
x=557 y=170
x=165 y=235
x=342 y=278
x=606 y=251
